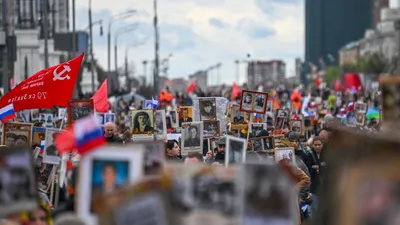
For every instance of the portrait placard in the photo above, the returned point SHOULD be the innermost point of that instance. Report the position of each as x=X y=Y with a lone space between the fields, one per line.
x=360 y=107
x=109 y=118
x=50 y=148
x=286 y=154
x=237 y=116
x=47 y=119
x=154 y=157
x=142 y=124
x=297 y=126
x=174 y=118
x=264 y=185
x=221 y=104
x=235 y=152
x=205 y=194
x=360 y=118
x=78 y=109
x=207 y=109
x=192 y=134
x=308 y=123
x=282 y=113
x=254 y=102
x=19 y=134
x=106 y=170
x=279 y=123
x=256 y=128
x=38 y=135
x=160 y=125
x=211 y=128
x=257 y=144
x=17 y=181
x=101 y=118
x=268 y=143
x=185 y=115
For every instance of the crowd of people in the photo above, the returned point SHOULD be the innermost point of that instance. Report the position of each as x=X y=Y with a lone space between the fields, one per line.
x=323 y=108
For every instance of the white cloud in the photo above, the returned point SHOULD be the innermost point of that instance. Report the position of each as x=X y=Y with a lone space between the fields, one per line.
x=211 y=45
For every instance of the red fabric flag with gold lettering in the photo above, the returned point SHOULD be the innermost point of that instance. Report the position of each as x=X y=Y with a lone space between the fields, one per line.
x=47 y=88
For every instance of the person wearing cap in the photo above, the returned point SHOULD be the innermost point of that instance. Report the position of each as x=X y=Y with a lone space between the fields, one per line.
x=219 y=158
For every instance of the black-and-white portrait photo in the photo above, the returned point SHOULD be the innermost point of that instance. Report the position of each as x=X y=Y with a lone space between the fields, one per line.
x=18 y=190
x=259 y=103
x=247 y=101
x=308 y=123
x=286 y=154
x=279 y=123
x=211 y=128
x=237 y=115
x=192 y=134
x=269 y=143
x=35 y=115
x=256 y=128
x=80 y=112
x=207 y=109
x=297 y=126
x=100 y=118
x=174 y=118
x=360 y=118
x=154 y=158
x=78 y=109
x=46 y=119
x=257 y=144
x=283 y=113
x=268 y=196
x=143 y=121
x=235 y=150
x=160 y=125
x=110 y=118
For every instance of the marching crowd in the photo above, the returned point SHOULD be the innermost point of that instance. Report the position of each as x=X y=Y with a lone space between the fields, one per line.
x=325 y=108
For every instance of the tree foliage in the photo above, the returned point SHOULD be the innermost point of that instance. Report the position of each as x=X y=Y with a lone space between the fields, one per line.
x=333 y=73
x=372 y=64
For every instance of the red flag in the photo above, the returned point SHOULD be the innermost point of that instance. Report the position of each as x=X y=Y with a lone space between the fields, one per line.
x=318 y=81
x=65 y=141
x=191 y=88
x=47 y=88
x=235 y=91
x=100 y=98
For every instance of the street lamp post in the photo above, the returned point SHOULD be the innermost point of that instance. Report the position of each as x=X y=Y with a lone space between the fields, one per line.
x=156 y=49
x=91 y=45
x=124 y=15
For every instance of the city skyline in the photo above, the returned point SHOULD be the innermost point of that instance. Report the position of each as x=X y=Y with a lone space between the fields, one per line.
x=201 y=33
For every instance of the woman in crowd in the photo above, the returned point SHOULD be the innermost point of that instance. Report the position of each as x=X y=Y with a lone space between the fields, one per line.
x=173 y=151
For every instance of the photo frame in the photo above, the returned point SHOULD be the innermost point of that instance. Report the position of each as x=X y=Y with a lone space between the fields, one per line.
x=38 y=135
x=211 y=128
x=237 y=116
x=192 y=137
x=256 y=128
x=308 y=123
x=153 y=157
x=17 y=133
x=20 y=193
x=235 y=150
x=390 y=97
x=207 y=109
x=109 y=118
x=50 y=138
x=297 y=126
x=35 y=115
x=47 y=119
x=360 y=107
x=101 y=118
x=269 y=143
x=285 y=154
x=160 y=125
x=125 y=162
x=253 y=101
x=185 y=115
x=78 y=109
x=174 y=118
x=142 y=122
x=282 y=113
x=279 y=123
x=257 y=144
x=360 y=118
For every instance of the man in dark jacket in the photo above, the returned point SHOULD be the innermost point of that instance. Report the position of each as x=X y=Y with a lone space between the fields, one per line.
x=316 y=175
x=300 y=153
x=109 y=133
x=219 y=158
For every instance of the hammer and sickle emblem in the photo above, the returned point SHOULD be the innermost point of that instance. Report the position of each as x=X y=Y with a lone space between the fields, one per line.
x=59 y=76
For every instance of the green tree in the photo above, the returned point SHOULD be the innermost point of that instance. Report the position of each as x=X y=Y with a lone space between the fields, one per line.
x=332 y=74
x=373 y=64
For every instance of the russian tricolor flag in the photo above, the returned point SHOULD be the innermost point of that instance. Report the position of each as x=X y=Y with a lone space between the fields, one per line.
x=7 y=113
x=155 y=102
x=88 y=134
x=42 y=147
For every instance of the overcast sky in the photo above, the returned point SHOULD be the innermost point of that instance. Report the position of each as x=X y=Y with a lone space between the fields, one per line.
x=202 y=33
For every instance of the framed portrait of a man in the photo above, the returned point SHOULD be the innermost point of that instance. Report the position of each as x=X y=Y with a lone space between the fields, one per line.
x=78 y=109
x=185 y=115
x=235 y=150
x=257 y=144
x=17 y=134
x=192 y=135
x=207 y=109
x=143 y=121
x=360 y=118
x=105 y=171
x=211 y=128
x=38 y=135
x=109 y=118
x=297 y=126
x=256 y=128
x=237 y=116
x=174 y=118
x=160 y=125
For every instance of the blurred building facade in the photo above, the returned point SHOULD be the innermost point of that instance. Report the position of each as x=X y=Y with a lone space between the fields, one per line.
x=265 y=72
x=201 y=78
x=377 y=7
x=177 y=85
